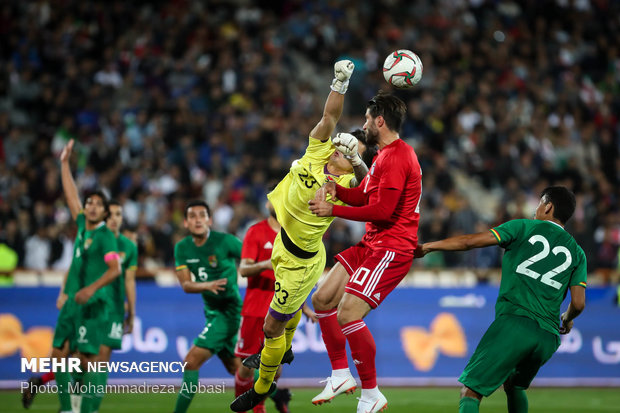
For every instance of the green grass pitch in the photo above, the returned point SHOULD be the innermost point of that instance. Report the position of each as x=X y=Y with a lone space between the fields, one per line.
x=400 y=400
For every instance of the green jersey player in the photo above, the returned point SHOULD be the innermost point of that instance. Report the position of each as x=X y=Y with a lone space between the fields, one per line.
x=541 y=263
x=122 y=289
x=94 y=266
x=206 y=264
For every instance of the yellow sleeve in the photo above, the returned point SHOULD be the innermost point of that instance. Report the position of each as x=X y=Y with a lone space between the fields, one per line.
x=318 y=151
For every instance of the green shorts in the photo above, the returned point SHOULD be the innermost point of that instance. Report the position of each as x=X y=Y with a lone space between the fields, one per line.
x=295 y=279
x=66 y=325
x=91 y=327
x=220 y=333
x=514 y=347
x=113 y=337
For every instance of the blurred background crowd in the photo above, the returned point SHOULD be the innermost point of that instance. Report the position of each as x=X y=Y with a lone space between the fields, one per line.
x=183 y=99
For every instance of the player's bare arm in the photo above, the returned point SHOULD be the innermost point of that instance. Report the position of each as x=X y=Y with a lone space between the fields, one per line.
x=130 y=292
x=459 y=243
x=191 y=287
x=113 y=271
x=250 y=268
x=576 y=306
x=343 y=70
x=68 y=184
x=62 y=297
x=310 y=315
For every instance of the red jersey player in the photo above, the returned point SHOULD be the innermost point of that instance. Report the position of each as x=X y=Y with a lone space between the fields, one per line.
x=388 y=200
x=256 y=265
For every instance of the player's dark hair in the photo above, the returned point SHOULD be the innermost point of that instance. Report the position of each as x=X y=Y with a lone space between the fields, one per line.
x=370 y=152
x=563 y=201
x=114 y=202
x=102 y=196
x=197 y=202
x=390 y=107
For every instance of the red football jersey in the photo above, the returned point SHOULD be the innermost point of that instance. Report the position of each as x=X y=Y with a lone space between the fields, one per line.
x=257 y=245
x=395 y=167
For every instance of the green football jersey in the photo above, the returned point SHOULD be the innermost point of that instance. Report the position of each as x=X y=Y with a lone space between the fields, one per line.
x=540 y=263
x=128 y=252
x=211 y=261
x=88 y=264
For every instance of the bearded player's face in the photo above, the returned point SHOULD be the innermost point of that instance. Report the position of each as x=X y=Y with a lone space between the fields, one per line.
x=371 y=130
x=197 y=220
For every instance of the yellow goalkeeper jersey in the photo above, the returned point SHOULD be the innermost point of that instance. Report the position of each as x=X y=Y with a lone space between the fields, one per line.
x=290 y=198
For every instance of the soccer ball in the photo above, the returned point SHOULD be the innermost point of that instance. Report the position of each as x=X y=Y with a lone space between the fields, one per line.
x=402 y=69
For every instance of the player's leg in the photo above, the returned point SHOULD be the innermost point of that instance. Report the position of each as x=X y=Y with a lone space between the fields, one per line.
x=91 y=330
x=516 y=399
x=325 y=302
x=64 y=335
x=295 y=278
x=196 y=357
x=248 y=343
x=112 y=340
x=63 y=379
x=105 y=352
x=516 y=384
x=470 y=401
x=376 y=277
x=506 y=343
x=351 y=312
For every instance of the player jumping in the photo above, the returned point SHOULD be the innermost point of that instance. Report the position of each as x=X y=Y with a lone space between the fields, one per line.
x=256 y=266
x=388 y=200
x=298 y=256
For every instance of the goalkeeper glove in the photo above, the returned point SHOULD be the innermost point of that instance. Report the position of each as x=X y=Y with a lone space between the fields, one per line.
x=343 y=69
x=347 y=145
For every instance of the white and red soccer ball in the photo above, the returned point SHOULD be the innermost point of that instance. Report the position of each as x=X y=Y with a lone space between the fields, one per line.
x=402 y=69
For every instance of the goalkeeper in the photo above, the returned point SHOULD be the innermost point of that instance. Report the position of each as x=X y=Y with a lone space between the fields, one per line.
x=298 y=256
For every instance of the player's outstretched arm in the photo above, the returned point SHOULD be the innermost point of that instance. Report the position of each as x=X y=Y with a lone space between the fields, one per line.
x=113 y=271
x=576 y=306
x=250 y=268
x=343 y=70
x=192 y=287
x=62 y=297
x=458 y=243
x=68 y=184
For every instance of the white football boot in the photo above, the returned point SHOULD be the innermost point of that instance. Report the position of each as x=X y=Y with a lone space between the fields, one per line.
x=335 y=385
x=374 y=403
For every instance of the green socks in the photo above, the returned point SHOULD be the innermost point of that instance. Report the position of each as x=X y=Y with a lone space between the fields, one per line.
x=89 y=381
x=517 y=400
x=188 y=389
x=469 y=405
x=101 y=382
x=63 y=380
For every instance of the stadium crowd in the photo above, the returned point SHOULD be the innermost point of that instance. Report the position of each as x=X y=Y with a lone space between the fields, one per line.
x=175 y=100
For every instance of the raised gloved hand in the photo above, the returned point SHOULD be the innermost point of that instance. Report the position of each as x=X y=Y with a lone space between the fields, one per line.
x=343 y=69
x=347 y=145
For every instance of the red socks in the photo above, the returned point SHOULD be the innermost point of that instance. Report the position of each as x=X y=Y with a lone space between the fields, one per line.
x=47 y=377
x=243 y=385
x=335 y=341
x=363 y=350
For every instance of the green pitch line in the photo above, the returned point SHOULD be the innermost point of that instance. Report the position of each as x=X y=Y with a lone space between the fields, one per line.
x=400 y=400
